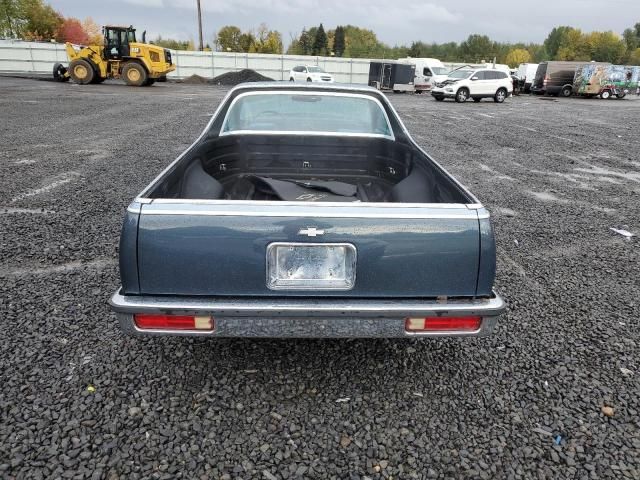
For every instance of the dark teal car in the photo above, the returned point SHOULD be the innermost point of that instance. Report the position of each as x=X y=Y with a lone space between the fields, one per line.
x=306 y=210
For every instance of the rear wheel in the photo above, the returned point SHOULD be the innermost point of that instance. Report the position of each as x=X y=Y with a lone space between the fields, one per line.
x=621 y=95
x=476 y=99
x=291 y=79
x=81 y=71
x=605 y=94
x=500 y=95
x=462 y=95
x=134 y=74
x=60 y=73
x=566 y=91
x=309 y=79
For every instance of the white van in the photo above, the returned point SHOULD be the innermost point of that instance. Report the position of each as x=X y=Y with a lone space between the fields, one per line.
x=526 y=73
x=429 y=71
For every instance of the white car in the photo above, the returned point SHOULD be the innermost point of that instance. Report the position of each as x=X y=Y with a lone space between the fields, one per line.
x=309 y=73
x=476 y=83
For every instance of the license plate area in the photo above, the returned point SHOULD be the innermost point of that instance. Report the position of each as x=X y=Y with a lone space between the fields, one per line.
x=311 y=266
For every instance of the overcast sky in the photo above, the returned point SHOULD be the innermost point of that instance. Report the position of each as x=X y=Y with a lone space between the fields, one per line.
x=395 y=22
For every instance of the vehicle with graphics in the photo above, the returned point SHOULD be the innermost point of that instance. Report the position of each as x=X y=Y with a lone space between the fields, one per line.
x=306 y=210
x=606 y=81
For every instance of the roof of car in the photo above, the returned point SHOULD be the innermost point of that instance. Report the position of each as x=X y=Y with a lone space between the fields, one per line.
x=308 y=86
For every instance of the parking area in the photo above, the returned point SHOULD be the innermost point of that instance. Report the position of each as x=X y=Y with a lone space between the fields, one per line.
x=80 y=400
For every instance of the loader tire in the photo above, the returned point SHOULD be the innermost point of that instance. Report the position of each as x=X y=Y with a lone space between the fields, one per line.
x=60 y=73
x=134 y=74
x=81 y=71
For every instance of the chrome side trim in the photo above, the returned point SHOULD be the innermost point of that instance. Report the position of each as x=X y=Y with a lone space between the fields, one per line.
x=319 y=92
x=313 y=318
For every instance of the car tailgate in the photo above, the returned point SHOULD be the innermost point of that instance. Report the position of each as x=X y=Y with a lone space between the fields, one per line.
x=220 y=248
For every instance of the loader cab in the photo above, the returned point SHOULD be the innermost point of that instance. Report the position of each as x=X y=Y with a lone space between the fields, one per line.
x=117 y=40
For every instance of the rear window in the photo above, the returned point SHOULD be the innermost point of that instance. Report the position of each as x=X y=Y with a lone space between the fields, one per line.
x=312 y=113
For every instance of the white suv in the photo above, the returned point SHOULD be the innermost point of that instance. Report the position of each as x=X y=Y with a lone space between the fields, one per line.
x=474 y=83
x=309 y=73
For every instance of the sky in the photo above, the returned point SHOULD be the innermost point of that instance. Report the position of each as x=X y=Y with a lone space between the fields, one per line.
x=395 y=23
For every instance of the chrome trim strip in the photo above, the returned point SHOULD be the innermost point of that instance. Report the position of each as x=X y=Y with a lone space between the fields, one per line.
x=287 y=213
x=313 y=318
x=223 y=133
x=273 y=203
x=305 y=306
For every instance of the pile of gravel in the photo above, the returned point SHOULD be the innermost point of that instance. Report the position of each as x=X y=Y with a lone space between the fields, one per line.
x=194 y=80
x=234 y=78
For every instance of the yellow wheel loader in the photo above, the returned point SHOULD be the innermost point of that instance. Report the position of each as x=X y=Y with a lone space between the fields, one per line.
x=120 y=56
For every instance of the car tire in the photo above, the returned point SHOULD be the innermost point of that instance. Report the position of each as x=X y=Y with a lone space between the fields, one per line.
x=291 y=79
x=476 y=99
x=134 y=74
x=309 y=79
x=81 y=72
x=462 y=95
x=621 y=95
x=605 y=94
x=439 y=99
x=566 y=91
x=500 y=95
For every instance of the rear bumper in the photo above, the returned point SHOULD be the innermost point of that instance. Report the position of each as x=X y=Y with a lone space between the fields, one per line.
x=306 y=318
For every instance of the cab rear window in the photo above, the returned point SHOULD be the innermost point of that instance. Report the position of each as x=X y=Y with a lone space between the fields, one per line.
x=307 y=112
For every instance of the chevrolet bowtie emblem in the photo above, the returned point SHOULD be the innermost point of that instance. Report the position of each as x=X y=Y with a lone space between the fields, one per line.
x=311 y=232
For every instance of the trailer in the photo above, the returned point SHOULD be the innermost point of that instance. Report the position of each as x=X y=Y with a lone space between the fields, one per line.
x=606 y=81
x=392 y=75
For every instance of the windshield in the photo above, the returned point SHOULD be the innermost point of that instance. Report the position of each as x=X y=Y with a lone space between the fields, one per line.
x=460 y=74
x=315 y=70
x=440 y=70
x=312 y=113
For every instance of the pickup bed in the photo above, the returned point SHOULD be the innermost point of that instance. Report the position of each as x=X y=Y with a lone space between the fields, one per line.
x=306 y=211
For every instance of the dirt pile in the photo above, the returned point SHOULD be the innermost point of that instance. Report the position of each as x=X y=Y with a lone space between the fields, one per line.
x=234 y=78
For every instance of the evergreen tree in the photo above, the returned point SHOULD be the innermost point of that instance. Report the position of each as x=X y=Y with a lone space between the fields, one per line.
x=320 y=42
x=306 y=43
x=339 y=41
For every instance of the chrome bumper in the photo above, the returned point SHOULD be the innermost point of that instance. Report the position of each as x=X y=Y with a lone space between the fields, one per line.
x=305 y=317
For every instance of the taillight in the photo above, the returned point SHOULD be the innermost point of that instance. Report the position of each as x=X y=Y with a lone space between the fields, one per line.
x=442 y=324
x=546 y=79
x=148 y=321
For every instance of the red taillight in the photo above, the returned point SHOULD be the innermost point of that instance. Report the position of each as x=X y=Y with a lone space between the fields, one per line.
x=173 y=322
x=443 y=324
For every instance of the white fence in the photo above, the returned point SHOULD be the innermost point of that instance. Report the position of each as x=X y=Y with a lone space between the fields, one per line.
x=38 y=59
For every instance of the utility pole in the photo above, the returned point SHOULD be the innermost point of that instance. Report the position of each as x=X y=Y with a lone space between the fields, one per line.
x=200 y=26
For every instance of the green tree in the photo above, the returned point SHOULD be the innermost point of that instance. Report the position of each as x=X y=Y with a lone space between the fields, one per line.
x=476 y=48
x=247 y=42
x=517 y=56
x=267 y=41
x=606 y=47
x=573 y=46
x=634 y=57
x=228 y=39
x=554 y=40
x=28 y=19
x=339 y=41
x=171 y=43
x=320 y=42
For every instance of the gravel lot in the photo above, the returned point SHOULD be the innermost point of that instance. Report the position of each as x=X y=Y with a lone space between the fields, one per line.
x=80 y=400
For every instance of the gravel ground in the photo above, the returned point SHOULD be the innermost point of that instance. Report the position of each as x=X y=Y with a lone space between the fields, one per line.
x=80 y=400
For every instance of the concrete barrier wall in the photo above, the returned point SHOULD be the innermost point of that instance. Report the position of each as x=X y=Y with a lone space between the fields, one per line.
x=38 y=58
